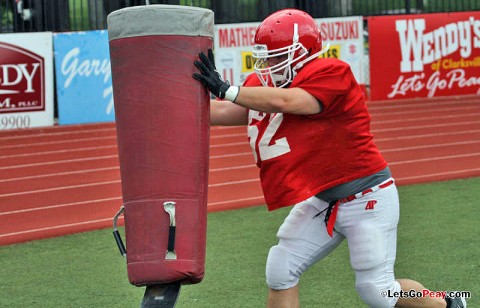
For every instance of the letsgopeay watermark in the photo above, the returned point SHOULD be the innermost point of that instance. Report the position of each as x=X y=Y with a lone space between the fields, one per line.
x=425 y=293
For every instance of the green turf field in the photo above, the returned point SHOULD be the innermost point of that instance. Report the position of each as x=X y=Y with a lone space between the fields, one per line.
x=439 y=245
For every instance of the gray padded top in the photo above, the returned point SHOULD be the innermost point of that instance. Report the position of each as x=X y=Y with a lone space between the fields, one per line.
x=160 y=19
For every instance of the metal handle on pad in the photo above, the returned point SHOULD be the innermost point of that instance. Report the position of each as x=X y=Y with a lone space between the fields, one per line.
x=169 y=207
x=116 y=234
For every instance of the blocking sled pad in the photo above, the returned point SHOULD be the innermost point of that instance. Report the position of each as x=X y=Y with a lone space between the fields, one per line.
x=162 y=121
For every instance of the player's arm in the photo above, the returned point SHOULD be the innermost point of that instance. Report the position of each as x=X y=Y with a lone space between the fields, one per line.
x=227 y=114
x=273 y=100
x=266 y=99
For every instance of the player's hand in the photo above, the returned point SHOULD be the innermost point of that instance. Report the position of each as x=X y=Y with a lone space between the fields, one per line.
x=209 y=75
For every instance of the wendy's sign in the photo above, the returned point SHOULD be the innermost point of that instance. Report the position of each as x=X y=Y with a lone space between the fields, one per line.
x=22 y=82
x=26 y=80
x=424 y=55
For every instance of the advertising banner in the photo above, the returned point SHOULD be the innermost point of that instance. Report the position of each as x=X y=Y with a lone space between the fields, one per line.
x=233 y=45
x=26 y=85
x=424 y=55
x=83 y=77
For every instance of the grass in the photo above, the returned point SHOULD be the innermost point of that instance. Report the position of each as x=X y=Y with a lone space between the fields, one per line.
x=438 y=245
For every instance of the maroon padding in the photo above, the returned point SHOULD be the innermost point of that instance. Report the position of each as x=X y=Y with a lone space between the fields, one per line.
x=162 y=118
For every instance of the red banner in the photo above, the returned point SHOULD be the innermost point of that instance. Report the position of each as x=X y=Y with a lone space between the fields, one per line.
x=424 y=55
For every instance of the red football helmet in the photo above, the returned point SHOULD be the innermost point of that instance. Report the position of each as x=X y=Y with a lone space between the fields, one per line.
x=294 y=37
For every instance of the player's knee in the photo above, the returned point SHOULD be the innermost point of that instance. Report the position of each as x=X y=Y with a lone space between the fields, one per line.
x=279 y=276
x=376 y=296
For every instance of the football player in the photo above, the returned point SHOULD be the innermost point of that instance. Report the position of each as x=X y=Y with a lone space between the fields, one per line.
x=309 y=130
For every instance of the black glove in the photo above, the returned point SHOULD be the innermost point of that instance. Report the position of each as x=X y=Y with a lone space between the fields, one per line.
x=209 y=75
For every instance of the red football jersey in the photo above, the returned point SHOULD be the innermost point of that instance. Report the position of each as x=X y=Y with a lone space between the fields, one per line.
x=302 y=155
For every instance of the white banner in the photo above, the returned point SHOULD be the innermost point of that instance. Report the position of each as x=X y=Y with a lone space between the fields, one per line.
x=26 y=86
x=233 y=42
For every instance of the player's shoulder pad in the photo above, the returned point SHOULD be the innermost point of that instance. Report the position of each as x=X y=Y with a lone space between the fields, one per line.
x=324 y=65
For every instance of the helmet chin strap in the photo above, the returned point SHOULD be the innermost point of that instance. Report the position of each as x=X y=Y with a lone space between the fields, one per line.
x=315 y=55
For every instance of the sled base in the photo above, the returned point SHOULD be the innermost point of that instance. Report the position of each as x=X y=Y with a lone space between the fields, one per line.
x=161 y=296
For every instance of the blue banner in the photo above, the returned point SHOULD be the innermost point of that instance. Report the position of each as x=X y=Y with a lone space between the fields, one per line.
x=83 y=77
